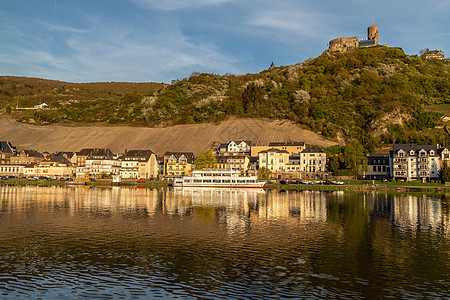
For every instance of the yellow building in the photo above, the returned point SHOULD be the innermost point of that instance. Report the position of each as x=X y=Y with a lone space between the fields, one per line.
x=177 y=164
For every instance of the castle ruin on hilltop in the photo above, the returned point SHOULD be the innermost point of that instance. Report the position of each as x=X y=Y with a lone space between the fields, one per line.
x=349 y=43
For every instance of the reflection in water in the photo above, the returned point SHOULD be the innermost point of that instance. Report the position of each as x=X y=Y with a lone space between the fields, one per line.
x=75 y=242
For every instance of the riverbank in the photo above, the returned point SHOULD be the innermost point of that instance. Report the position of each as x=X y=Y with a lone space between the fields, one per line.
x=360 y=185
x=22 y=182
x=366 y=185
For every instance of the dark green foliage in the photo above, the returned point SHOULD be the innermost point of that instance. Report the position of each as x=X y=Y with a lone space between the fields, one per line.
x=444 y=172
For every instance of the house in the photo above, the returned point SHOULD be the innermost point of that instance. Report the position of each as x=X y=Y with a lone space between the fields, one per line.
x=313 y=159
x=234 y=161
x=273 y=159
x=178 y=163
x=26 y=157
x=49 y=168
x=93 y=153
x=379 y=166
x=6 y=151
x=444 y=155
x=11 y=170
x=97 y=163
x=141 y=164
x=234 y=147
x=71 y=156
x=411 y=161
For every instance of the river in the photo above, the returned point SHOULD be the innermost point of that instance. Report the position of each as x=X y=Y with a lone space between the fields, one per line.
x=141 y=243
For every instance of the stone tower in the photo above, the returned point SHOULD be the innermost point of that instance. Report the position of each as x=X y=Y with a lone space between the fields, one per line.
x=372 y=33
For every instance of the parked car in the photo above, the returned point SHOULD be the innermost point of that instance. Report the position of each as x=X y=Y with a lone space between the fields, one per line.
x=141 y=180
x=69 y=179
x=32 y=178
x=3 y=177
x=62 y=179
x=283 y=182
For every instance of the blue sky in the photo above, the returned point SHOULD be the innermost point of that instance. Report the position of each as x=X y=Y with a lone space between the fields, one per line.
x=162 y=40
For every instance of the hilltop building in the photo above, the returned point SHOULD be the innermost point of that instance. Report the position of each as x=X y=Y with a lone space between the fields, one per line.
x=350 y=43
x=437 y=54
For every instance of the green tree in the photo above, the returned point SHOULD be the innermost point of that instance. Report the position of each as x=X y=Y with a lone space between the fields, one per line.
x=206 y=159
x=355 y=158
x=444 y=172
x=264 y=173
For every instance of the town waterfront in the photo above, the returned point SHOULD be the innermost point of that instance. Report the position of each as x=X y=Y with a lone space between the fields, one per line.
x=128 y=242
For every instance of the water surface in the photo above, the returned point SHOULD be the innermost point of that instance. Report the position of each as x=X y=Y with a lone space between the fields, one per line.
x=122 y=243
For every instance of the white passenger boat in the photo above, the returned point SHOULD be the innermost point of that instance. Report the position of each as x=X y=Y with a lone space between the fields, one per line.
x=218 y=178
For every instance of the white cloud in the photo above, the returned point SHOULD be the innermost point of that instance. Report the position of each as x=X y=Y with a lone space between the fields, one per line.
x=108 y=51
x=169 y=5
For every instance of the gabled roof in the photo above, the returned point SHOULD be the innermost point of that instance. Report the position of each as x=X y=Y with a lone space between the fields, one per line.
x=59 y=159
x=67 y=154
x=6 y=147
x=141 y=155
x=189 y=156
x=31 y=153
x=408 y=147
x=96 y=153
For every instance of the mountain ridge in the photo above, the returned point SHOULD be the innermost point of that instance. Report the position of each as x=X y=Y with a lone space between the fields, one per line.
x=377 y=95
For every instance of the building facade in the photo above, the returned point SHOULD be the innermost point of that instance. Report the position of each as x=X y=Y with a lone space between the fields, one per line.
x=177 y=164
x=274 y=160
x=26 y=157
x=411 y=161
x=234 y=161
x=49 y=168
x=379 y=166
x=140 y=164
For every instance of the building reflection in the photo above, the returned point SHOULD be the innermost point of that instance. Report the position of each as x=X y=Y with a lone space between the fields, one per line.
x=235 y=209
x=416 y=213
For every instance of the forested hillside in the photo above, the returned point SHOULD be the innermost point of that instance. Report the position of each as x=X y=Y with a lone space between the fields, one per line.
x=374 y=95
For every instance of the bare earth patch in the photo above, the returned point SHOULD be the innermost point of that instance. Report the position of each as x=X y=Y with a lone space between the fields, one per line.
x=193 y=138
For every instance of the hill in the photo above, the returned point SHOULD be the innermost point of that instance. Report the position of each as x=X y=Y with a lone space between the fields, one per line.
x=376 y=95
x=193 y=138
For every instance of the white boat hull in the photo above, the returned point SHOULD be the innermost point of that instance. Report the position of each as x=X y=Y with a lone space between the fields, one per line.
x=256 y=185
x=218 y=179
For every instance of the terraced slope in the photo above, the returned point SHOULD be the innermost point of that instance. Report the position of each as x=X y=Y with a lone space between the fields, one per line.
x=195 y=138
